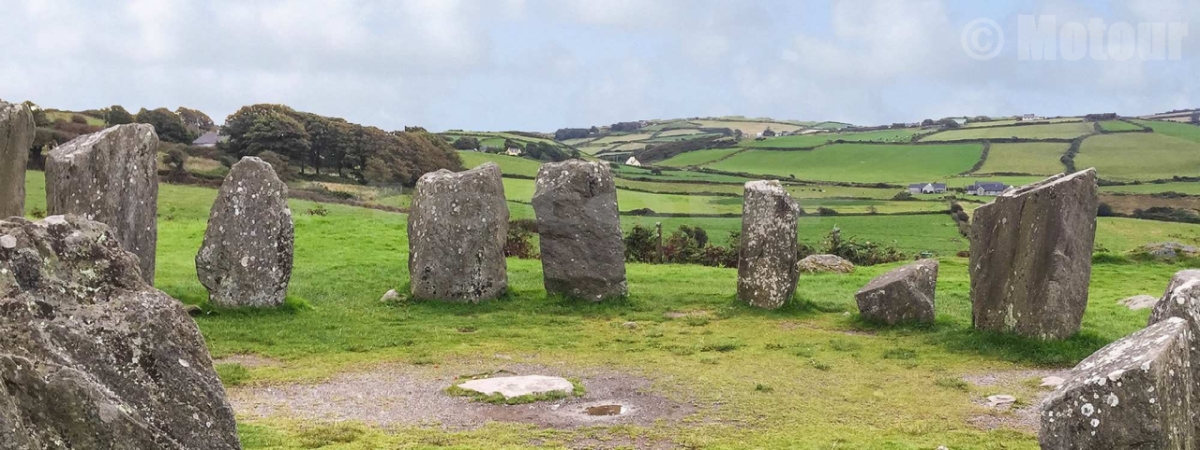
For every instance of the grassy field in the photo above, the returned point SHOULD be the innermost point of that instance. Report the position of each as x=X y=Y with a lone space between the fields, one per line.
x=1139 y=156
x=1056 y=130
x=797 y=141
x=749 y=128
x=680 y=132
x=676 y=175
x=1004 y=122
x=1190 y=188
x=65 y=116
x=698 y=157
x=1040 y=158
x=615 y=138
x=859 y=162
x=1118 y=125
x=806 y=376
x=1174 y=129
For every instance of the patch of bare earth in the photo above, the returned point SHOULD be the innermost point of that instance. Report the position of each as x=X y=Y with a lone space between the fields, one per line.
x=411 y=395
x=1022 y=415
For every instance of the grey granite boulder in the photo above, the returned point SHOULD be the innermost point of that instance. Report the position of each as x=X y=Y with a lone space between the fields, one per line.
x=1182 y=300
x=246 y=258
x=901 y=295
x=767 y=271
x=111 y=176
x=456 y=234
x=1031 y=257
x=579 y=228
x=1166 y=251
x=16 y=137
x=93 y=357
x=1133 y=393
x=1141 y=301
x=518 y=386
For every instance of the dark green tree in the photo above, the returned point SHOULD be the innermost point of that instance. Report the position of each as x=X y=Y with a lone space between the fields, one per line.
x=167 y=124
x=117 y=115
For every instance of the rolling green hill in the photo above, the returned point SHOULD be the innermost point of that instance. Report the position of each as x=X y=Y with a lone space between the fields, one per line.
x=1067 y=130
x=860 y=163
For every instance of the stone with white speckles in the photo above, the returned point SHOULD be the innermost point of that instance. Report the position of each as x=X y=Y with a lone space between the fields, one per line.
x=109 y=176
x=579 y=228
x=457 y=228
x=1133 y=393
x=767 y=257
x=93 y=357
x=903 y=295
x=16 y=136
x=1182 y=299
x=1031 y=257
x=246 y=257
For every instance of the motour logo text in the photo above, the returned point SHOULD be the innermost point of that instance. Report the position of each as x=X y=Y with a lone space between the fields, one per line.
x=1045 y=38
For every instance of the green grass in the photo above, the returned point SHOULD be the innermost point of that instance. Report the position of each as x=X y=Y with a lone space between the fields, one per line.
x=698 y=157
x=1190 y=188
x=828 y=380
x=1066 y=130
x=1039 y=158
x=66 y=116
x=800 y=141
x=1174 y=129
x=1139 y=156
x=1118 y=125
x=677 y=175
x=1003 y=122
x=509 y=165
x=679 y=132
x=861 y=163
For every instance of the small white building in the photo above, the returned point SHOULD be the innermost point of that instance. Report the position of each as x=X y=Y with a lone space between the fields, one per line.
x=513 y=152
x=987 y=188
x=1029 y=118
x=633 y=162
x=927 y=188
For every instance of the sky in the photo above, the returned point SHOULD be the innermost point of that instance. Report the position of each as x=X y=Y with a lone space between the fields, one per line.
x=539 y=65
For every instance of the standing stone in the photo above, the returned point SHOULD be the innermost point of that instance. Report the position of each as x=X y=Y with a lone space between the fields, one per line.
x=579 y=228
x=110 y=176
x=1031 y=257
x=1182 y=300
x=246 y=258
x=93 y=357
x=902 y=295
x=1134 y=393
x=16 y=137
x=767 y=269
x=456 y=234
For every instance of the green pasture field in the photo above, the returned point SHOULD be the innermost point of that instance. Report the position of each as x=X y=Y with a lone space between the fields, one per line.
x=54 y=116
x=1190 y=188
x=1005 y=122
x=1064 y=130
x=795 y=141
x=749 y=128
x=1139 y=156
x=1174 y=129
x=698 y=157
x=616 y=138
x=682 y=175
x=900 y=136
x=1118 y=125
x=1041 y=158
x=671 y=124
x=809 y=375
x=863 y=163
x=679 y=132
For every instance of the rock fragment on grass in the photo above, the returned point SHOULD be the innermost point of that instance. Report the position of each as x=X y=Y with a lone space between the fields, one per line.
x=1031 y=257
x=767 y=271
x=901 y=295
x=1140 y=302
x=518 y=386
x=825 y=264
x=1133 y=393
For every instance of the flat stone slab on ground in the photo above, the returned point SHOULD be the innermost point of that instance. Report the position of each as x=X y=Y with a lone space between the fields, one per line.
x=517 y=386
x=1140 y=302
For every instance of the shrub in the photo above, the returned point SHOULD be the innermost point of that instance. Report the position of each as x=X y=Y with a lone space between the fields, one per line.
x=277 y=162
x=1104 y=210
x=519 y=243
x=860 y=253
x=529 y=225
x=176 y=160
x=823 y=211
x=79 y=119
x=318 y=210
x=641 y=245
x=904 y=196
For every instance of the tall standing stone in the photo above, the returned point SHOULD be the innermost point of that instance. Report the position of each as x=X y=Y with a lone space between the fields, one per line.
x=110 y=176
x=456 y=234
x=579 y=228
x=93 y=357
x=1031 y=257
x=1182 y=300
x=246 y=258
x=16 y=136
x=767 y=257
x=1133 y=393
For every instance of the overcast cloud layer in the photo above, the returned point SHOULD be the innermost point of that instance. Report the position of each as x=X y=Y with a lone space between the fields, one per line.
x=541 y=65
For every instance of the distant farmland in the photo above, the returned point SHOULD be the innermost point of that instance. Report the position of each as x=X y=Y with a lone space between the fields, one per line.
x=1039 y=158
x=1067 y=130
x=862 y=163
x=1139 y=156
x=698 y=157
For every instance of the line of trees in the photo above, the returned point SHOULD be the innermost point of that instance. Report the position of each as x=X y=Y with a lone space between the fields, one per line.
x=310 y=142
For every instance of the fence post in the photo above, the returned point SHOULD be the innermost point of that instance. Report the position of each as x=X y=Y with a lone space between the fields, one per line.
x=658 y=226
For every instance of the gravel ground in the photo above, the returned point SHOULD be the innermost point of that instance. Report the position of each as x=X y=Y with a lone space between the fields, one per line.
x=412 y=395
x=1022 y=416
